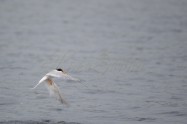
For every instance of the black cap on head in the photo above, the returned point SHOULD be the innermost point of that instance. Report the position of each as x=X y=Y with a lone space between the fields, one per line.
x=59 y=69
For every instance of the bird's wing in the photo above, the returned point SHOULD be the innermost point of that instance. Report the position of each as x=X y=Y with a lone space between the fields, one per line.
x=59 y=74
x=41 y=81
x=68 y=77
x=54 y=91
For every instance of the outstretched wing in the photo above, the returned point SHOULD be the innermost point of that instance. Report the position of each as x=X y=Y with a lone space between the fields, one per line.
x=54 y=91
x=55 y=74
x=68 y=77
x=41 y=81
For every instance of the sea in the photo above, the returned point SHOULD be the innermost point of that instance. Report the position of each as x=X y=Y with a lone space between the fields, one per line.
x=129 y=55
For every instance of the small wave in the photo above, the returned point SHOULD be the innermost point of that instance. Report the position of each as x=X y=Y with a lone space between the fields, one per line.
x=175 y=113
x=36 y=122
x=147 y=119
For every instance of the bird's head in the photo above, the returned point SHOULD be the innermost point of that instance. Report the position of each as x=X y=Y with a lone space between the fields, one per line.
x=61 y=70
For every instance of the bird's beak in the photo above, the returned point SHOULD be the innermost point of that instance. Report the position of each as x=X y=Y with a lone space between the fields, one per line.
x=65 y=72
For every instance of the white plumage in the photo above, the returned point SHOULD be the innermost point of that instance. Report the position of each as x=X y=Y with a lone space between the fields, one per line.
x=52 y=86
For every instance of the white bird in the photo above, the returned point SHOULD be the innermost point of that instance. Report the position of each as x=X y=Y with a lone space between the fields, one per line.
x=51 y=85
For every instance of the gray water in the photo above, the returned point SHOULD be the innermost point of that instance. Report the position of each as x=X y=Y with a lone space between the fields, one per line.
x=130 y=54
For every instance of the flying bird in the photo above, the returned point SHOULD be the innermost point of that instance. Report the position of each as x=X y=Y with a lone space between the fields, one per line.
x=52 y=86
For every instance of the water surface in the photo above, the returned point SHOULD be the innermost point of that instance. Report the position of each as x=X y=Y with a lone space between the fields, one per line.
x=131 y=55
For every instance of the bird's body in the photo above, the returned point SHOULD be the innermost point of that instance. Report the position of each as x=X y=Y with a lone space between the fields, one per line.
x=52 y=86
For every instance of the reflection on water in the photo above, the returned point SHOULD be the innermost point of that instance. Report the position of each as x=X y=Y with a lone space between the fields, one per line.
x=130 y=55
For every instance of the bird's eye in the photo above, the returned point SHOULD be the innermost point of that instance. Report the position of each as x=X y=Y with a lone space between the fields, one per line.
x=59 y=69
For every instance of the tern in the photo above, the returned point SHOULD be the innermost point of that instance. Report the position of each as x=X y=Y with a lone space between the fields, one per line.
x=52 y=86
